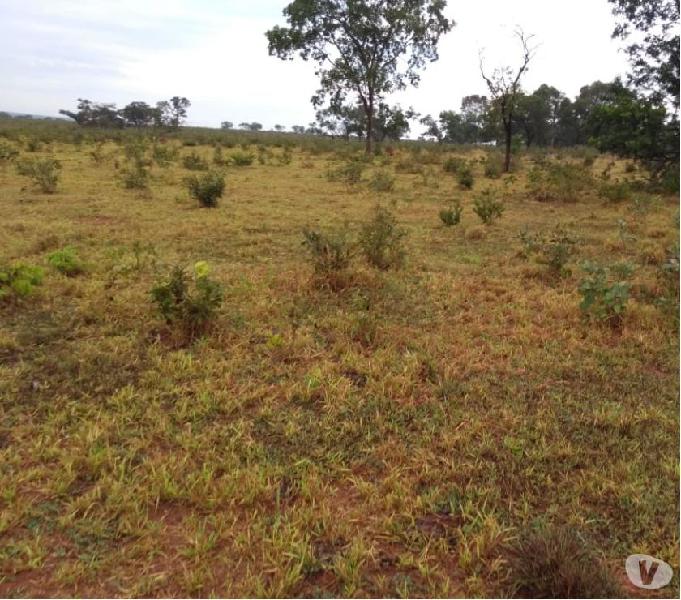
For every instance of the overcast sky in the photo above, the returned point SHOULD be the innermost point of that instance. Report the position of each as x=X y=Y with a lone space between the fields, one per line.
x=215 y=53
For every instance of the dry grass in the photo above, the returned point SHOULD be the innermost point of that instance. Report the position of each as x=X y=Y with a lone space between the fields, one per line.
x=390 y=439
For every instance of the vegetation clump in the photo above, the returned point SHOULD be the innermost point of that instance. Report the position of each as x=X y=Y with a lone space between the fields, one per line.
x=44 y=172
x=66 y=261
x=241 y=159
x=605 y=292
x=193 y=162
x=382 y=240
x=19 y=280
x=452 y=214
x=330 y=252
x=207 y=189
x=553 y=249
x=487 y=207
x=382 y=181
x=558 y=181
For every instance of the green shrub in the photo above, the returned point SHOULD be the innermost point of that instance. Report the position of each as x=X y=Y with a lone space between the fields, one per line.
x=382 y=181
x=33 y=145
x=218 y=158
x=7 y=152
x=164 y=155
x=615 y=192
x=330 y=252
x=135 y=176
x=193 y=162
x=19 y=280
x=97 y=153
x=453 y=164
x=350 y=172
x=559 y=182
x=189 y=302
x=487 y=208
x=382 y=241
x=44 y=172
x=494 y=165
x=553 y=250
x=465 y=177
x=66 y=261
x=451 y=215
x=207 y=188
x=241 y=159
x=557 y=563
x=605 y=292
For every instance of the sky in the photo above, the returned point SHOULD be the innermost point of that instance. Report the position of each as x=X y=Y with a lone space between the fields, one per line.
x=214 y=52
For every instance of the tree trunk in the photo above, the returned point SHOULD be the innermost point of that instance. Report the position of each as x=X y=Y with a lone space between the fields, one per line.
x=370 y=126
x=507 y=159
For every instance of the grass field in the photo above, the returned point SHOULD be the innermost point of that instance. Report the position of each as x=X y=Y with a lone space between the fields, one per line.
x=399 y=436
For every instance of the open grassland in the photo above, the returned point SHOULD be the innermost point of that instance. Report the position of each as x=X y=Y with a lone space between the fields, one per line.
x=399 y=436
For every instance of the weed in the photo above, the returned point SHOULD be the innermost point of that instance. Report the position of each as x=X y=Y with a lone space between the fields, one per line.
x=188 y=301
x=382 y=241
x=452 y=214
x=66 y=261
x=44 y=172
x=487 y=208
x=19 y=280
x=207 y=188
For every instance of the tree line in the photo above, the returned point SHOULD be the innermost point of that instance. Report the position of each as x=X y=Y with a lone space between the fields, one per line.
x=166 y=113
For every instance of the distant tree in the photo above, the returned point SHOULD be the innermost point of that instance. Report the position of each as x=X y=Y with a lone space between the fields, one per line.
x=433 y=130
x=163 y=114
x=176 y=110
x=392 y=122
x=298 y=129
x=345 y=120
x=504 y=86
x=450 y=125
x=279 y=128
x=366 y=48
x=475 y=121
x=655 y=58
x=226 y=125
x=139 y=114
x=93 y=114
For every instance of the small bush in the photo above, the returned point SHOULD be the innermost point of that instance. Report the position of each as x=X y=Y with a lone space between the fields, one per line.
x=494 y=165
x=409 y=165
x=553 y=250
x=382 y=241
x=19 y=280
x=453 y=164
x=330 y=252
x=7 y=152
x=615 y=192
x=193 y=162
x=207 y=188
x=44 y=172
x=33 y=145
x=164 y=155
x=605 y=292
x=350 y=172
x=558 y=563
x=382 y=181
x=135 y=176
x=66 y=261
x=559 y=182
x=452 y=215
x=241 y=159
x=465 y=177
x=487 y=208
x=189 y=302
x=97 y=153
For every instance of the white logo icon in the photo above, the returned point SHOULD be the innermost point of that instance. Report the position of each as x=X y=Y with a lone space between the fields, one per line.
x=648 y=572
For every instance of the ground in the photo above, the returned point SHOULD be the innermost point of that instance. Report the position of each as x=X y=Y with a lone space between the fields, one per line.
x=391 y=438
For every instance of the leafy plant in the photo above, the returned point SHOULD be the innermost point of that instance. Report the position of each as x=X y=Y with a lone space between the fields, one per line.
x=193 y=162
x=207 y=188
x=451 y=215
x=66 y=261
x=465 y=177
x=189 y=301
x=487 y=208
x=19 y=280
x=241 y=159
x=553 y=250
x=605 y=292
x=382 y=241
x=44 y=172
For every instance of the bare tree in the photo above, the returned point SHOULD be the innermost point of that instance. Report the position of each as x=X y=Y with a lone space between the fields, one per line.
x=504 y=87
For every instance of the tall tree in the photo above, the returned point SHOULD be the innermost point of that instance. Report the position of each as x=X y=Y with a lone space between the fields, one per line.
x=95 y=114
x=138 y=114
x=367 y=48
x=504 y=87
x=654 y=59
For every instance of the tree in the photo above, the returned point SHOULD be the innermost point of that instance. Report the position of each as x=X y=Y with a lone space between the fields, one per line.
x=176 y=110
x=139 y=114
x=474 y=118
x=300 y=129
x=392 y=122
x=94 y=114
x=366 y=48
x=432 y=128
x=279 y=128
x=226 y=125
x=655 y=59
x=504 y=86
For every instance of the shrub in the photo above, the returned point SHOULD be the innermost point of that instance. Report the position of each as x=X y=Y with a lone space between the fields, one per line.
x=605 y=293
x=189 y=302
x=218 y=158
x=668 y=277
x=557 y=563
x=163 y=155
x=19 y=280
x=451 y=215
x=33 y=145
x=465 y=177
x=135 y=176
x=615 y=192
x=241 y=159
x=494 y=165
x=487 y=208
x=66 y=261
x=350 y=172
x=553 y=250
x=382 y=181
x=44 y=172
x=207 y=188
x=559 y=182
x=330 y=252
x=7 y=152
x=381 y=240
x=193 y=162
x=409 y=165
x=453 y=164
x=97 y=154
